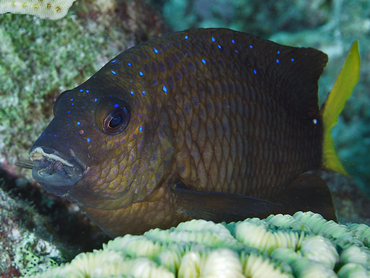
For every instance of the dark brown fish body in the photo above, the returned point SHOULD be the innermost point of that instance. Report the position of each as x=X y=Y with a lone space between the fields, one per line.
x=152 y=137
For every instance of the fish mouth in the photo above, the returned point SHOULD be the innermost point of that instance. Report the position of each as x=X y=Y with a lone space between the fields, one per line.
x=54 y=172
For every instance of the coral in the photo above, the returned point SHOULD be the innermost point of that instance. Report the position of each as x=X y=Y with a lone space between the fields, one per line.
x=20 y=248
x=51 y=9
x=302 y=245
x=33 y=223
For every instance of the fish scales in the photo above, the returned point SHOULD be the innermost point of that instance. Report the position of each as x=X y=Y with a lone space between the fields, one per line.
x=195 y=124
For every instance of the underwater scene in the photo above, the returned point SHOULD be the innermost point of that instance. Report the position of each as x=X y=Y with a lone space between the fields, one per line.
x=184 y=138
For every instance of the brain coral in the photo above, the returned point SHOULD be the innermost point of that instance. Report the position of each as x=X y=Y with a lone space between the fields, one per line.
x=51 y=9
x=302 y=245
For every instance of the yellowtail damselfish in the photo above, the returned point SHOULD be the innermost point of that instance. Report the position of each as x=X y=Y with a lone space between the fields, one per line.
x=206 y=123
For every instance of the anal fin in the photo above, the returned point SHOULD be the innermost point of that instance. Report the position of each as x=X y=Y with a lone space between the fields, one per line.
x=308 y=192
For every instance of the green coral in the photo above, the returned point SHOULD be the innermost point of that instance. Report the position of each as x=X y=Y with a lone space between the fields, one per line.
x=34 y=255
x=303 y=245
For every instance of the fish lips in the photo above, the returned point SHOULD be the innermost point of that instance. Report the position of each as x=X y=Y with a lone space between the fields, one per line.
x=55 y=173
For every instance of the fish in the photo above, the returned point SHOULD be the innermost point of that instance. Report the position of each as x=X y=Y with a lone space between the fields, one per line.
x=208 y=124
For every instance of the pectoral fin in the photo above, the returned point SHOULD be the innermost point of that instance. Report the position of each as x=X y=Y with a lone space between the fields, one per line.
x=218 y=206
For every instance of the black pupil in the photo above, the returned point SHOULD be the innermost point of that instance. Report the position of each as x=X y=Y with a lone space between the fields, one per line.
x=116 y=121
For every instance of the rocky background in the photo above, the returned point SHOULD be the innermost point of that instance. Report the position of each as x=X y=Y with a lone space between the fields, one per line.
x=40 y=58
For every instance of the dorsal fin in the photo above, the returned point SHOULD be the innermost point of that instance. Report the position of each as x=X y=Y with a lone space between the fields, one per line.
x=334 y=105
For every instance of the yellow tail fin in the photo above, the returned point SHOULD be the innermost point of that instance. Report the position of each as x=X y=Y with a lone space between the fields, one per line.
x=334 y=104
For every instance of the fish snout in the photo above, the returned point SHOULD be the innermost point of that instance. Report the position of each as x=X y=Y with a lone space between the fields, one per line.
x=54 y=171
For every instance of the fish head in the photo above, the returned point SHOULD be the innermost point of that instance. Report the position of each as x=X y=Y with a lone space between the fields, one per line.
x=107 y=146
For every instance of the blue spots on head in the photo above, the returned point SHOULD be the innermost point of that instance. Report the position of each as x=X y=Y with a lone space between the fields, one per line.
x=232 y=41
x=71 y=99
x=219 y=46
x=129 y=64
x=78 y=123
x=69 y=112
x=95 y=99
x=213 y=39
x=155 y=50
x=292 y=59
x=251 y=46
x=88 y=140
x=255 y=72
x=164 y=88
x=87 y=91
x=277 y=61
x=116 y=105
x=141 y=73
x=140 y=128
x=143 y=92
x=73 y=103
x=113 y=72
x=236 y=51
x=204 y=61
x=114 y=61
x=132 y=92
x=278 y=52
x=186 y=37
x=55 y=135
x=81 y=90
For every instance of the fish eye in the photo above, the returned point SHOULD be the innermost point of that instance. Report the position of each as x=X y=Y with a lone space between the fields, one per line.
x=116 y=121
x=112 y=116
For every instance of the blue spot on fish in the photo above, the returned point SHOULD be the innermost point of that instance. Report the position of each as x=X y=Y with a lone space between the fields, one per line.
x=292 y=59
x=232 y=41
x=213 y=39
x=81 y=90
x=251 y=46
x=129 y=64
x=186 y=37
x=71 y=99
x=164 y=88
x=113 y=72
x=88 y=140
x=141 y=73
x=78 y=123
x=114 y=61
x=140 y=128
x=116 y=105
x=204 y=61
x=132 y=92
x=87 y=91
x=143 y=92
x=219 y=46
x=236 y=51
x=69 y=112
x=278 y=52
x=95 y=100
x=255 y=72
x=277 y=61
x=155 y=50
